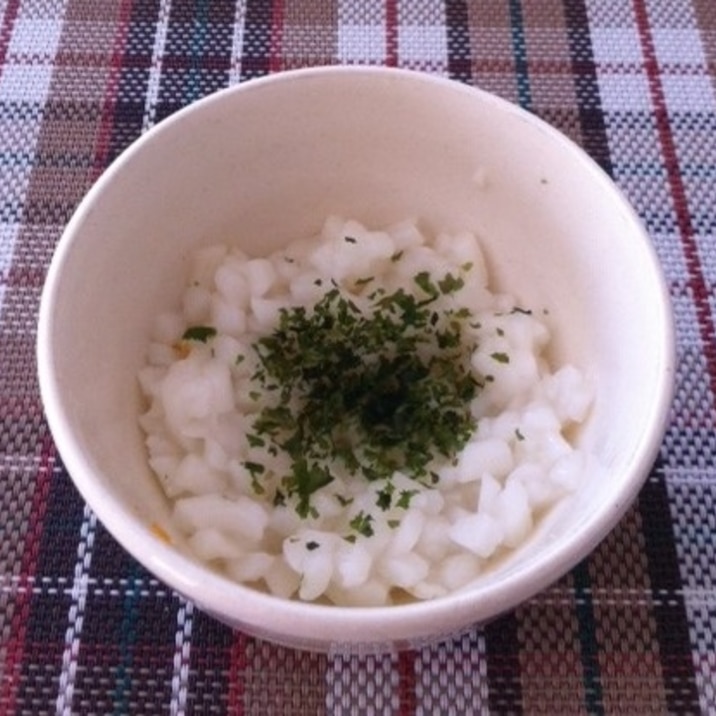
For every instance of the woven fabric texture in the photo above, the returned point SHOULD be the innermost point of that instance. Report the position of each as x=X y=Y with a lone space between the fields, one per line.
x=631 y=630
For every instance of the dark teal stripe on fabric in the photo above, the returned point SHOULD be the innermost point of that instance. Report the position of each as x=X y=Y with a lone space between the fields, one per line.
x=197 y=55
x=519 y=50
x=128 y=633
x=197 y=46
x=593 y=694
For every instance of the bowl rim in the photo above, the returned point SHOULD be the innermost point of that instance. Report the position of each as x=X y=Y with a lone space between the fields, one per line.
x=291 y=621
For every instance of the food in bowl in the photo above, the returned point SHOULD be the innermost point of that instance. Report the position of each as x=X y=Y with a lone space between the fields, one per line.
x=356 y=418
x=275 y=156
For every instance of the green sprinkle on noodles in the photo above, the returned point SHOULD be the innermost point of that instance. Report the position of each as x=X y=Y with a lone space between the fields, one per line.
x=361 y=523
x=199 y=333
x=372 y=391
x=451 y=284
x=405 y=497
x=385 y=496
x=255 y=440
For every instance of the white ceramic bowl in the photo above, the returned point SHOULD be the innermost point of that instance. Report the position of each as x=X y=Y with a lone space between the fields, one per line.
x=267 y=161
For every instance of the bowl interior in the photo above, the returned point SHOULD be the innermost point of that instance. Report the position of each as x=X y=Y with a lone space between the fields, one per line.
x=266 y=162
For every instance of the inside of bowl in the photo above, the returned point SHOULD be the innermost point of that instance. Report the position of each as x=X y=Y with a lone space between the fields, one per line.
x=266 y=164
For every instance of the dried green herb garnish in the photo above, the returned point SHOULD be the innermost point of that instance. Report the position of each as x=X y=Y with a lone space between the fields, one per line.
x=199 y=333
x=361 y=523
x=377 y=392
x=405 y=497
x=385 y=496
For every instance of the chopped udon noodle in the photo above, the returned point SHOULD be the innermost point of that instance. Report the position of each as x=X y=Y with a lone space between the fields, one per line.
x=357 y=419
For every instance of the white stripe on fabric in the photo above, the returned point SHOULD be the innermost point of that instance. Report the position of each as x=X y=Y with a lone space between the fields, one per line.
x=155 y=71
x=361 y=685
x=237 y=43
x=75 y=616
x=361 y=32
x=452 y=677
x=182 y=653
x=422 y=36
x=25 y=79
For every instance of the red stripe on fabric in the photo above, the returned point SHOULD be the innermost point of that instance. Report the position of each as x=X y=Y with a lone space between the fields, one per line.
x=406 y=683
x=391 y=33
x=8 y=24
x=696 y=281
x=111 y=91
x=15 y=642
x=237 y=671
x=276 y=50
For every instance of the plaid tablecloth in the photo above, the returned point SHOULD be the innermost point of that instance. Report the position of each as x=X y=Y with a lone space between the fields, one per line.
x=631 y=630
